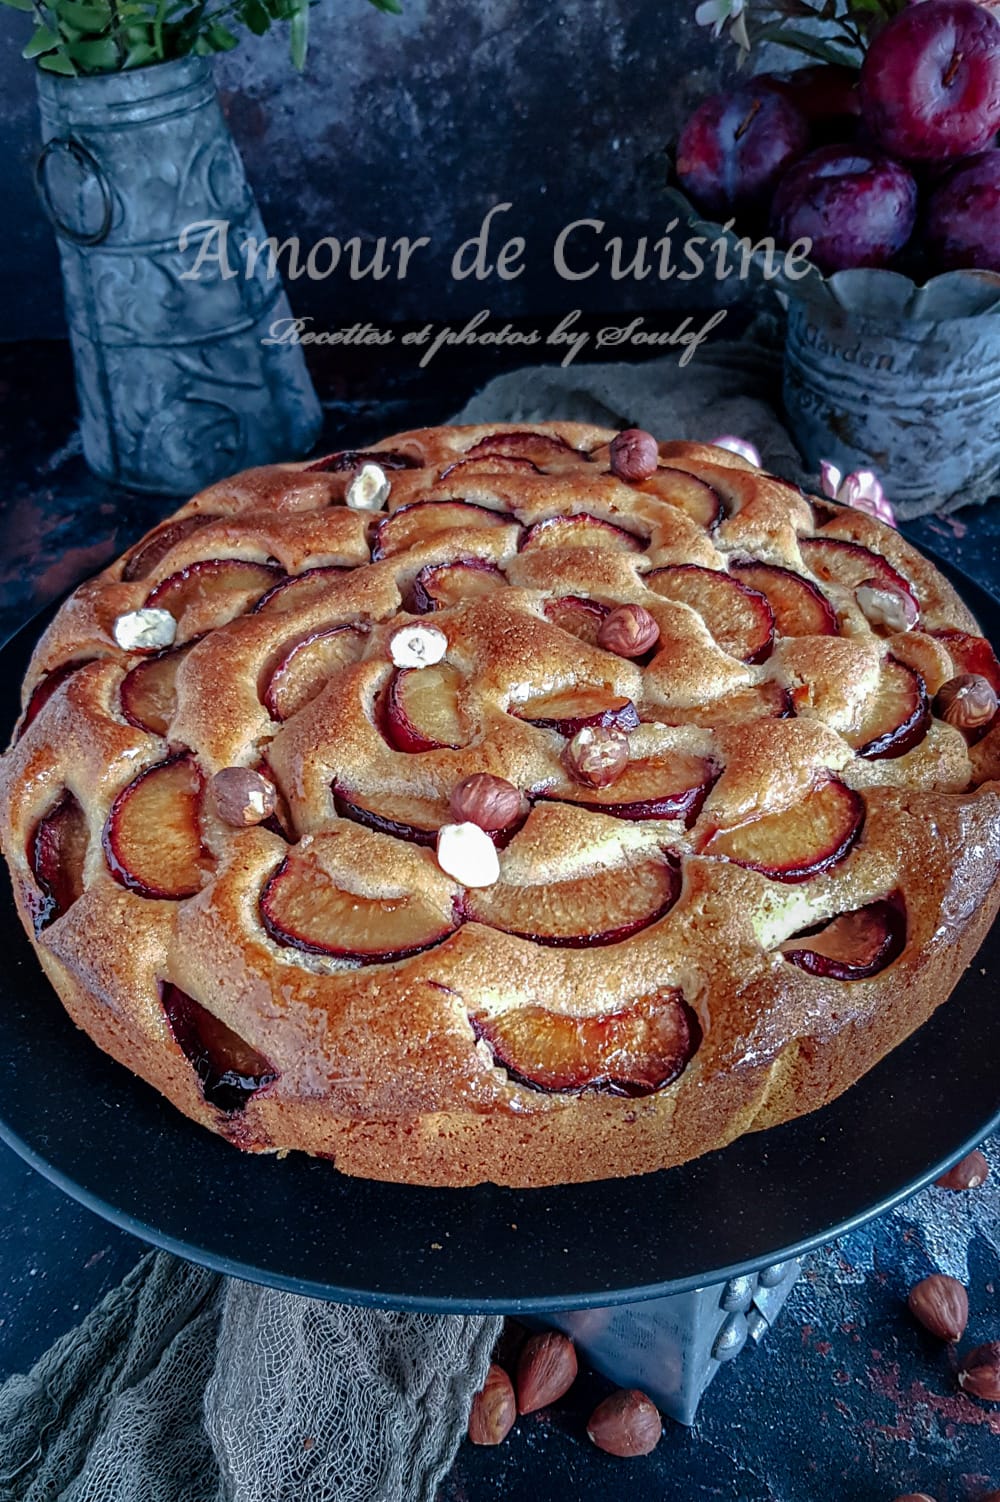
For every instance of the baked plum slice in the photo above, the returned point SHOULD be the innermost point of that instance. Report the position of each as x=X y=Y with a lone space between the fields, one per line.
x=214 y=591
x=421 y=709
x=423 y=521
x=584 y=912
x=849 y=564
x=580 y=531
x=149 y=692
x=673 y=786
x=230 y=1070
x=302 y=908
x=812 y=836
x=307 y=665
x=798 y=606
x=488 y=466
x=298 y=590
x=152 y=837
x=688 y=493
x=404 y=816
x=896 y=716
x=759 y=701
x=543 y=450
x=633 y=1051
x=580 y=617
x=854 y=945
x=144 y=558
x=439 y=585
x=45 y=688
x=738 y=617
x=573 y=709
x=350 y=459
x=57 y=850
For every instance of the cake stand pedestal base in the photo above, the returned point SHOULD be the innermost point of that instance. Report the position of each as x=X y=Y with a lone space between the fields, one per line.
x=671 y=1348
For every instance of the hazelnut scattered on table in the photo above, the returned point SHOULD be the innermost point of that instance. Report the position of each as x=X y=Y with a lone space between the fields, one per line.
x=968 y=1173
x=941 y=1305
x=979 y=1373
x=546 y=1369
x=627 y=1423
x=494 y=1409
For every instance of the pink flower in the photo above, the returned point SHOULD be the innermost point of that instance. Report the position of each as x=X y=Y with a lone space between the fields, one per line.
x=861 y=489
x=738 y=446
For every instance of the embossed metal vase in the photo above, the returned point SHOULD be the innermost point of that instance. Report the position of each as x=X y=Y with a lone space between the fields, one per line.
x=885 y=375
x=176 y=387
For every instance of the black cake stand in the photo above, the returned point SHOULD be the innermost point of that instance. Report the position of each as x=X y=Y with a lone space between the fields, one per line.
x=118 y=1147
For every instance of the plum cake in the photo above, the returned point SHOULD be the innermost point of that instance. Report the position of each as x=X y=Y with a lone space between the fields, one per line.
x=526 y=805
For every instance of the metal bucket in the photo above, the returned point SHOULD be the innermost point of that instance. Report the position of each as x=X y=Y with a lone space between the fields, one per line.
x=915 y=398
x=175 y=387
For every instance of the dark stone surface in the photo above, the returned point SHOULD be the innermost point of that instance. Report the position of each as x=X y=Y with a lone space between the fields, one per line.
x=417 y=125
x=847 y=1399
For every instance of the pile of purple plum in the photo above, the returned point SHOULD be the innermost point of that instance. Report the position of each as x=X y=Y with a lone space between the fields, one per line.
x=893 y=165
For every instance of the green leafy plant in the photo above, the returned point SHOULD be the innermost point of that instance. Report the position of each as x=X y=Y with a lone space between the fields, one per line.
x=831 y=31
x=80 y=37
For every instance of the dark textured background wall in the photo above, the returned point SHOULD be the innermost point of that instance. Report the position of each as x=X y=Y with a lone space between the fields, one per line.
x=416 y=125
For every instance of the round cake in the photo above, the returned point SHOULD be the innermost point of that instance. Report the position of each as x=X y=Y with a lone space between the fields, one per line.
x=525 y=805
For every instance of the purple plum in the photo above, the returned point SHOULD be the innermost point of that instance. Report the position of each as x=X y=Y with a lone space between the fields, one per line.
x=857 y=208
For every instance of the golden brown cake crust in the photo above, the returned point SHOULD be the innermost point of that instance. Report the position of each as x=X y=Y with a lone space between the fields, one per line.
x=393 y=1067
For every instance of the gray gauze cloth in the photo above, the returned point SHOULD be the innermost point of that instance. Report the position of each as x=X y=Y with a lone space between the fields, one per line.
x=183 y=1386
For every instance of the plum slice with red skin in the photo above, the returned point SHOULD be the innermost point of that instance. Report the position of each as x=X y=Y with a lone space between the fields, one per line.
x=853 y=946
x=144 y=558
x=307 y=665
x=231 y=1072
x=486 y=466
x=422 y=521
x=850 y=564
x=57 y=850
x=688 y=493
x=46 y=687
x=636 y=1050
x=668 y=787
x=544 y=450
x=229 y=586
x=149 y=691
x=349 y=459
x=813 y=835
x=152 y=837
x=573 y=709
x=302 y=908
x=895 y=718
x=439 y=585
x=738 y=617
x=580 y=617
x=391 y=814
x=799 y=607
x=584 y=912
x=580 y=531
x=298 y=590
x=759 y=701
x=421 y=709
